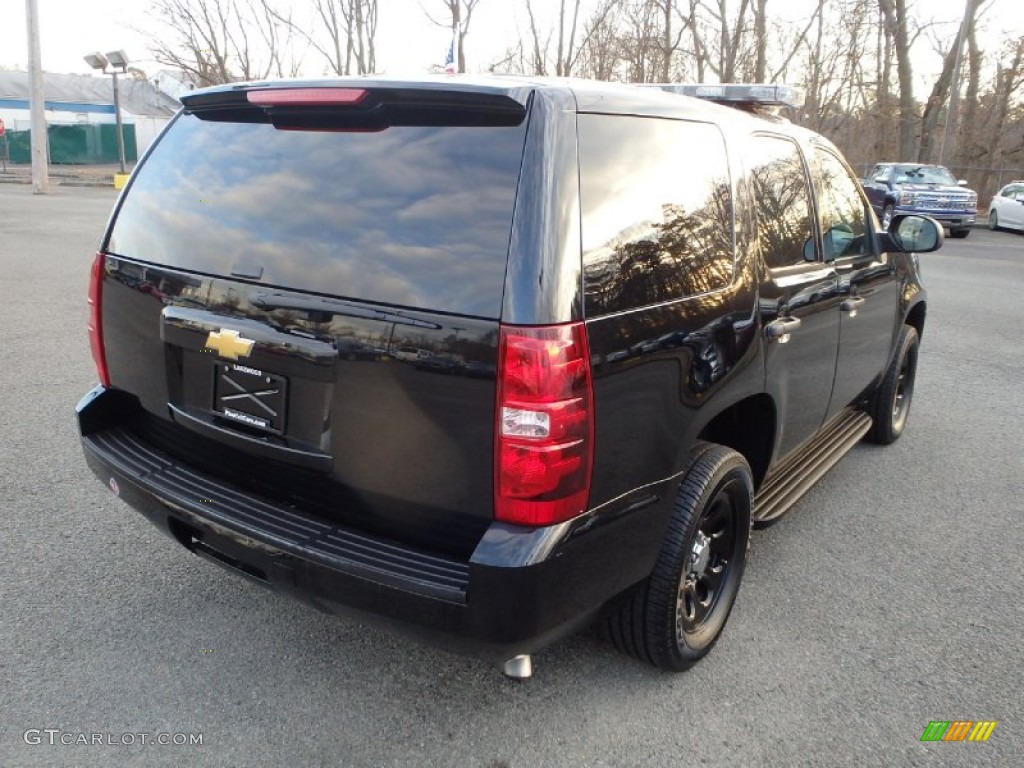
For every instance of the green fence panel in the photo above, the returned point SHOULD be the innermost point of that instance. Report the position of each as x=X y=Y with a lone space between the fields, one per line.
x=87 y=144
x=70 y=144
x=108 y=144
x=21 y=150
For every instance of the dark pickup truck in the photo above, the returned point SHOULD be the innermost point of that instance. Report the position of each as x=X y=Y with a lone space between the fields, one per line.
x=930 y=190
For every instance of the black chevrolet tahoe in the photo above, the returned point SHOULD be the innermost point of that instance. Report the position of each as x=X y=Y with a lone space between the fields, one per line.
x=493 y=358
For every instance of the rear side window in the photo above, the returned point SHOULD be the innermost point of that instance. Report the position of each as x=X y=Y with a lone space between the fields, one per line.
x=657 y=211
x=412 y=216
x=782 y=201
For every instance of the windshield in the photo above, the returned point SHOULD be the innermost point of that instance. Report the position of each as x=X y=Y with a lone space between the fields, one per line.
x=924 y=174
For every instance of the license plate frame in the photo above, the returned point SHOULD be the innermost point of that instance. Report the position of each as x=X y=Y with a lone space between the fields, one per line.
x=250 y=397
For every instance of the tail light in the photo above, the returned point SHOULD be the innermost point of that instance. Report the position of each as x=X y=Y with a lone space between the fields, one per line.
x=95 y=320
x=306 y=97
x=544 y=442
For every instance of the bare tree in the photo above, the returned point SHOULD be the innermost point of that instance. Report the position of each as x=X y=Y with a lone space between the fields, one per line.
x=514 y=61
x=1008 y=86
x=859 y=84
x=600 y=53
x=641 y=42
x=760 y=40
x=883 y=94
x=895 y=14
x=566 y=54
x=730 y=42
x=539 y=50
x=970 y=149
x=571 y=40
x=361 y=25
x=215 y=41
x=460 y=14
x=671 y=36
x=944 y=83
x=344 y=32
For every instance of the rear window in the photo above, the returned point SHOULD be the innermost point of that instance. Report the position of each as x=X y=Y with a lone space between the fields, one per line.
x=411 y=216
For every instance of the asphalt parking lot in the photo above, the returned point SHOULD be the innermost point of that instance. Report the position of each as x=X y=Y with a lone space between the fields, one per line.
x=888 y=598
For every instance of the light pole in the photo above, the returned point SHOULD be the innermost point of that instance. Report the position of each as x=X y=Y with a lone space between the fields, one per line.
x=116 y=60
x=39 y=139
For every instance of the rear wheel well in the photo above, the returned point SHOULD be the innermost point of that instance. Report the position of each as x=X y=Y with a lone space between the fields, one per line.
x=747 y=427
x=915 y=318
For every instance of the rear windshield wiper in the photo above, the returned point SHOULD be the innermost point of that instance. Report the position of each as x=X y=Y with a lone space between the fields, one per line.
x=321 y=306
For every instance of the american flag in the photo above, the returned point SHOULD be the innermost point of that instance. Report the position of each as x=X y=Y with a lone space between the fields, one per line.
x=449 y=61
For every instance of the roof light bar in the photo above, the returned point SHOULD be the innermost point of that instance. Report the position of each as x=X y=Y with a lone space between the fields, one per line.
x=761 y=94
x=305 y=97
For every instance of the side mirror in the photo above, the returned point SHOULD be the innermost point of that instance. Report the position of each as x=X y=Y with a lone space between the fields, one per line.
x=881 y=179
x=913 y=234
x=962 y=182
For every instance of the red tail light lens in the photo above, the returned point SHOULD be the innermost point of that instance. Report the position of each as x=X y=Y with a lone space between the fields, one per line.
x=95 y=320
x=544 y=440
x=305 y=97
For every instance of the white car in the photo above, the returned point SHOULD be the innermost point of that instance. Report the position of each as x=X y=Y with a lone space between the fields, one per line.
x=1006 y=211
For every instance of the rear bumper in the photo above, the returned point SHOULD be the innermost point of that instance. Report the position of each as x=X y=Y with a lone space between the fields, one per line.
x=521 y=590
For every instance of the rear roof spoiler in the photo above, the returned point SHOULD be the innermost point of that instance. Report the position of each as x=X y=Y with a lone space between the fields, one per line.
x=360 y=104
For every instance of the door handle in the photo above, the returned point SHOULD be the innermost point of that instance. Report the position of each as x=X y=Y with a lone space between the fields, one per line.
x=852 y=304
x=781 y=328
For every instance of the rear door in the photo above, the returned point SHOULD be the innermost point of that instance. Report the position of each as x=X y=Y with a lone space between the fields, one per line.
x=271 y=262
x=799 y=301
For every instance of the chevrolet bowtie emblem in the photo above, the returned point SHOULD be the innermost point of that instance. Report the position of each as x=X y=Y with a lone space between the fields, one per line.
x=229 y=344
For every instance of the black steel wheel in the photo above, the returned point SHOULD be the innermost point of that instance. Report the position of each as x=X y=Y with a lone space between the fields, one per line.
x=959 y=234
x=677 y=614
x=890 y=404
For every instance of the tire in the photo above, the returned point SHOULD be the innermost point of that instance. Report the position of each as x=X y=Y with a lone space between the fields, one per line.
x=887 y=214
x=993 y=220
x=890 y=404
x=674 y=617
x=959 y=234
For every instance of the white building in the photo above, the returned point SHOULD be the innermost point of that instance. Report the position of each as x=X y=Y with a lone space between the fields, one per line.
x=85 y=100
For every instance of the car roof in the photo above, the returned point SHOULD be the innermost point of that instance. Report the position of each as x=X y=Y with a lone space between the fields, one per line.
x=590 y=96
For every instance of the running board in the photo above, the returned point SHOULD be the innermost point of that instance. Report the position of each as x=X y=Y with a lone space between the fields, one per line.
x=795 y=476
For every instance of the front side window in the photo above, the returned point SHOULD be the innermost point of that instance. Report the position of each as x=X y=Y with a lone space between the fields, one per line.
x=656 y=211
x=782 y=201
x=844 y=217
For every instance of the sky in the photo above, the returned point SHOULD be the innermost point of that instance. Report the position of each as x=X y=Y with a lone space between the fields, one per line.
x=407 y=42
